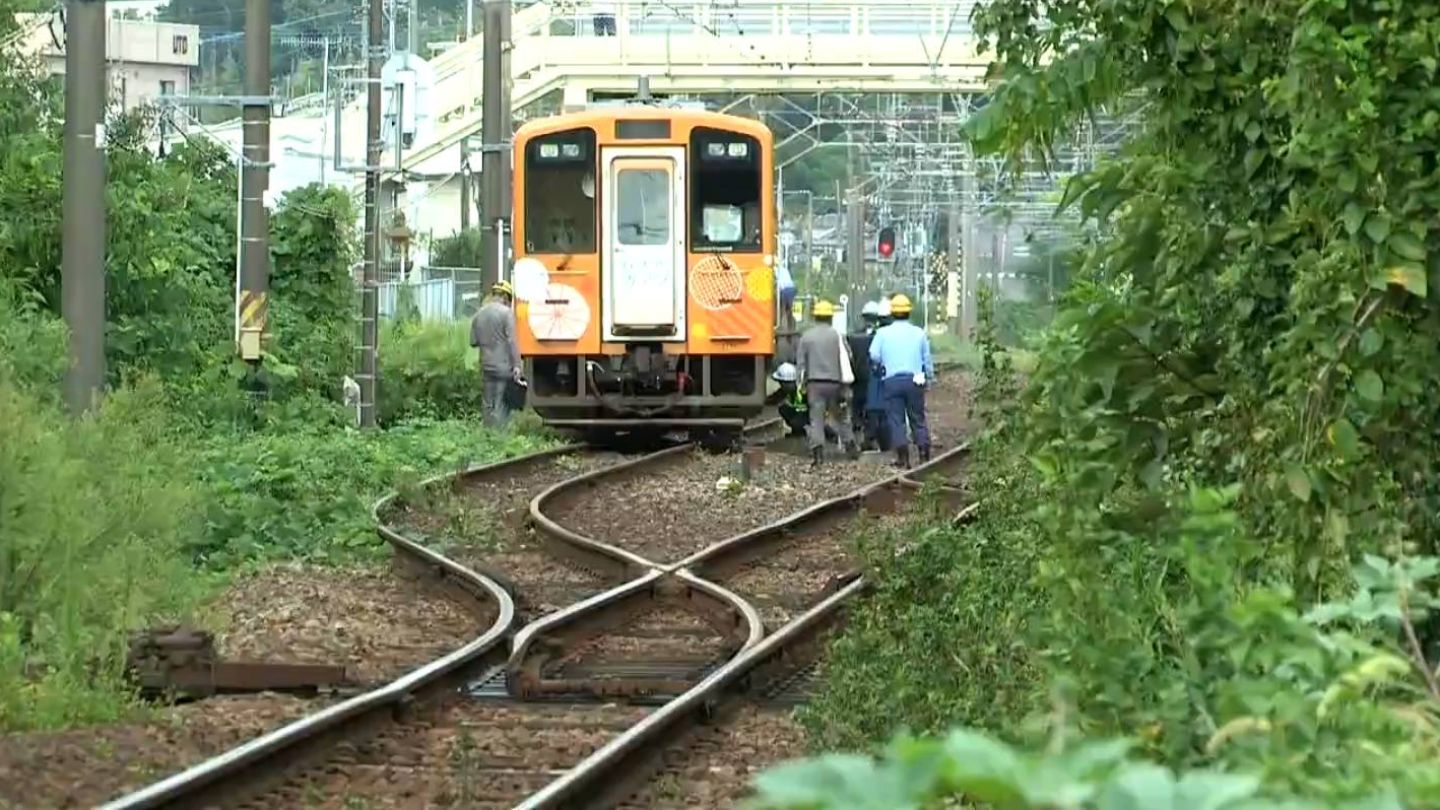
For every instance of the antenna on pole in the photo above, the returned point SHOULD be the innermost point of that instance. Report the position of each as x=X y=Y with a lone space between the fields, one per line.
x=642 y=91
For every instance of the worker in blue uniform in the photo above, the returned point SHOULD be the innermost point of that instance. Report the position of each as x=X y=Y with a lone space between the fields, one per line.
x=902 y=350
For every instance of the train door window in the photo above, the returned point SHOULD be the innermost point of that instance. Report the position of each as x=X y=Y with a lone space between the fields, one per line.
x=642 y=207
x=725 y=191
x=560 y=192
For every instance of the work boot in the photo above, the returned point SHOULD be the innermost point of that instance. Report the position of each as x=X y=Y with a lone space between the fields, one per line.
x=902 y=457
x=924 y=453
x=817 y=455
x=852 y=450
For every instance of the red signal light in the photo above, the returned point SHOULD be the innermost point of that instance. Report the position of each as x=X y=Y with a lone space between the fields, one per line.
x=887 y=243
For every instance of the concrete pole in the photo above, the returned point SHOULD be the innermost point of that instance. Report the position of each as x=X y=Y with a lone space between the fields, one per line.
x=952 y=266
x=412 y=29
x=469 y=19
x=495 y=126
x=967 y=255
x=254 y=180
x=856 y=234
x=464 y=184
x=325 y=94
x=83 y=224
x=370 y=287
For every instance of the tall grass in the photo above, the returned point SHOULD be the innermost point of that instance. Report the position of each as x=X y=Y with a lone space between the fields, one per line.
x=93 y=517
x=428 y=369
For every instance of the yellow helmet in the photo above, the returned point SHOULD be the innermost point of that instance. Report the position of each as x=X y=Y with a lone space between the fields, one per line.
x=503 y=287
x=900 y=304
x=824 y=309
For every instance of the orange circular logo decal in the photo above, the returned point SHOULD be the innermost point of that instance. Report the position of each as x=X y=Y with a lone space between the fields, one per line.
x=716 y=283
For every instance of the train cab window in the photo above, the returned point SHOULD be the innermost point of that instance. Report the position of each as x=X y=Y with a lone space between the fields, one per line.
x=560 y=193
x=642 y=206
x=725 y=191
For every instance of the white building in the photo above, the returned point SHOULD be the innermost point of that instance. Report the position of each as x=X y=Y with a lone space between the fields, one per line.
x=144 y=59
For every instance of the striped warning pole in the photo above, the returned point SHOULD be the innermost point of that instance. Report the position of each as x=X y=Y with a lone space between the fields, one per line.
x=254 y=309
x=251 y=305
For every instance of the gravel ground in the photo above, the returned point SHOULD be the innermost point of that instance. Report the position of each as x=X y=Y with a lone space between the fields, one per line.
x=482 y=524
x=793 y=578
x=667 y=642
x=479 y=754
x=715 y=768
x=84 y=767
x=678 y=509
x=948 y=410
x=377 y=623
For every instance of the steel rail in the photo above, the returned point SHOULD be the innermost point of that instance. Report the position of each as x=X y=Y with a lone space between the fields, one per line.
x=207 y=781
x=592 y=778
x=595 y=777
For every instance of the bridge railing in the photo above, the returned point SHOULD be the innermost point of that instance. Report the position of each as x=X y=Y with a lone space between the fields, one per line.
x=740 y=18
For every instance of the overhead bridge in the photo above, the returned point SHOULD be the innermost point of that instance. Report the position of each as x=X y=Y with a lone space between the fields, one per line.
x=714 y=47
x=742 y=46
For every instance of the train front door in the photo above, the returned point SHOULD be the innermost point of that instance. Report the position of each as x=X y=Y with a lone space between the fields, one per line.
x=643 y=232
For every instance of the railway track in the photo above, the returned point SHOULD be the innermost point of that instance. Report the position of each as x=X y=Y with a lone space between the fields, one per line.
x=539 y=721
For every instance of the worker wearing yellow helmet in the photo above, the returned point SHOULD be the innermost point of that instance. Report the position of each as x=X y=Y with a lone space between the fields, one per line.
x=902 y=351
x=825 y=368
x=493 y=332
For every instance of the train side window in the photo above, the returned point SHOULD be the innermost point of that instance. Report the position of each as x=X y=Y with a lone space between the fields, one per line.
x=725 y=191
x=560 y=193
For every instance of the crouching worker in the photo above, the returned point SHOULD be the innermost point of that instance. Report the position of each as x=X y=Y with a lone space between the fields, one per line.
x=794 y=408
x=826 y=373
x=792 y=403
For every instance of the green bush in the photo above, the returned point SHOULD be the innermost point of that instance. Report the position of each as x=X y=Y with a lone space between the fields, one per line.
x=1333 y=705
x=306 y=492
x=96 y=518
x=32 y=342
x=428 y=369
x=1235 y=403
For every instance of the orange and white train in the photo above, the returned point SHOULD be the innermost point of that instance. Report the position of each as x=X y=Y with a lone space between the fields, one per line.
x=644 y=250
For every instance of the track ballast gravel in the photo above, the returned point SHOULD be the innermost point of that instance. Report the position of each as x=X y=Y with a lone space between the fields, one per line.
x=673 y=511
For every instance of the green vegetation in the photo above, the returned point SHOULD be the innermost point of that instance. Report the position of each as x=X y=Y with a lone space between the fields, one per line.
x=130 y=516
x=1233 y=408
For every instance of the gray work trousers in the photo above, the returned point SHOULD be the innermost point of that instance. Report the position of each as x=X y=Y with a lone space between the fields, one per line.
x=493 y=390
x=826 y=397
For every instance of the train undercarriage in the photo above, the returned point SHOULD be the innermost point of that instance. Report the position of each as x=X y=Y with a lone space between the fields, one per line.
x=647 y=392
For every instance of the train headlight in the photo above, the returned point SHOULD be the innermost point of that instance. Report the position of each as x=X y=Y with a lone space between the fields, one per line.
x=715 y=149
x=549 y=150
x=571 y=150
x=739 y=150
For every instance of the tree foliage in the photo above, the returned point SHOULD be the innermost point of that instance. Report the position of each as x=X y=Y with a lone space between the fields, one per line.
x=1250 y=350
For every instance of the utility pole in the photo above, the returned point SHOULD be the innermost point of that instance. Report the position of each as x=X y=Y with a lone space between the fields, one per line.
x=370 y=286
x=412 y=31
x=253 y=303
x=495 y=126
x=856 y=233
x=952 y=265
x=465 y=184
x=82 y=260
x=967 y=255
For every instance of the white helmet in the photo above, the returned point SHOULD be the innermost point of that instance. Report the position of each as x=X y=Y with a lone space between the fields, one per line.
x=885 y=308
x=785 y=373
x=870 y=310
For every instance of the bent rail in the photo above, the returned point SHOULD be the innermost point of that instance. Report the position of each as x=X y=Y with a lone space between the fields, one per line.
x=594 y=779
x=212 y=780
